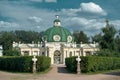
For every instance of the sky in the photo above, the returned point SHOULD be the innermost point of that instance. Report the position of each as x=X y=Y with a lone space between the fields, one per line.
x=38 y=15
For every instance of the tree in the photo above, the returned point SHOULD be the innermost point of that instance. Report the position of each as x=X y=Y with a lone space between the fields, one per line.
x=27 y=36
x=11 y=53
x=108 y=41
x=97 y=38
x=80 y=37
x=7 y=39
x=117 y=41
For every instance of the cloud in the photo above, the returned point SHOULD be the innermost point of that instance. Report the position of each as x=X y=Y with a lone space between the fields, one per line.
x=92 y=8
x=90 y=26
x=51 y=0
x=35 y=19
x=23 y=14
x=4 y=24
x=70 y=12
x=36 y=0
x=116 y=24
x=30 y=17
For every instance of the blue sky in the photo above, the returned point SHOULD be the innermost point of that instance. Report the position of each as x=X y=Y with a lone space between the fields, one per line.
x=38 y=15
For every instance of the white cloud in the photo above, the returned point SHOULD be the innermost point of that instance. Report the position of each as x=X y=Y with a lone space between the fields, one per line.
x=116 y=24
x=92 y=8
x=42 y=19
x=36 y=0
x=4 y=24
x=85 y=8
x=90 y=26
x=35 y=19
x=20 y=14
x=50 y=0
x=70 y=12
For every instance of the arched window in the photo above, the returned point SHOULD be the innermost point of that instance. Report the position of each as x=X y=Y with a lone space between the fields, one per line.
x=70 y=54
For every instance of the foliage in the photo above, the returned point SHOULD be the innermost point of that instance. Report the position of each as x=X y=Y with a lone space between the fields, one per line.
x=80 y=37
x=93 y=63
x=7 y=38
x=43 y=63
x=70 y=62
x=23 y=63
x=107 y=53
x=117 y=41
x=11 y=53
x=106 y=39
x=27 y=36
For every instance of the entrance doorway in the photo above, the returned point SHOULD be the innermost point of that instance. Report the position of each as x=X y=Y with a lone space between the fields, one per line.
x=57 y=57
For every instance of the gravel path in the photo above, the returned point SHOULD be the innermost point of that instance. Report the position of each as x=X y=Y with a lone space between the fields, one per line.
x=58 y=72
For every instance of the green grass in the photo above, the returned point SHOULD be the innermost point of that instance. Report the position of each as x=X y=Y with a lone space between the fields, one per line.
x=44 y=72
x=102 y=72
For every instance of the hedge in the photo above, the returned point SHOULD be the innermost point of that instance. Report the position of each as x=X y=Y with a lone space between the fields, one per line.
x=93 y=63
x=23 y=63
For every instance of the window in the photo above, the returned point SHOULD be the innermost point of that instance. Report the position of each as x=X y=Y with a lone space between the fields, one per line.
x=88 y=53
x=70 y=54
x=26 y=53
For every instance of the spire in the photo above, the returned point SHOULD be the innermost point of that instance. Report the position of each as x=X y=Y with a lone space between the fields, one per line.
x=57 y=22
x=57 y=16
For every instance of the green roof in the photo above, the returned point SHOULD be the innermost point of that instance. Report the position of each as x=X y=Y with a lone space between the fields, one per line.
x=57 y=20
x=62 y=32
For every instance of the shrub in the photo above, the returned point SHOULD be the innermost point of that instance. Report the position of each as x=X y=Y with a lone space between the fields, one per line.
x=93 y=63
x=23 y=63
x=43 y=63
x=71 y=63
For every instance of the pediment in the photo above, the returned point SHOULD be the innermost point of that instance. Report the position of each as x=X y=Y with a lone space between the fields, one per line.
x=88 y=46
x=24 y=46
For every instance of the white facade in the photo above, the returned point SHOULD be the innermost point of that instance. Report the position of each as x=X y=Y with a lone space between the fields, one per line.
x=57 y=51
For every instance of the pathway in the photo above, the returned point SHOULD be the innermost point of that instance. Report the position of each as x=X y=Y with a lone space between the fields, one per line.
x=58 y=72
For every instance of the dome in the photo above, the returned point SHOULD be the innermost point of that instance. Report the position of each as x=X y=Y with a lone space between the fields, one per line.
x=58 y=34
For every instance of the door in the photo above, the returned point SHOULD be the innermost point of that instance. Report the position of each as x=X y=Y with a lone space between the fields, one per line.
x=57 y=57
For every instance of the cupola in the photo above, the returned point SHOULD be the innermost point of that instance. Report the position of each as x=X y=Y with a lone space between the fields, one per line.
x=57 y=22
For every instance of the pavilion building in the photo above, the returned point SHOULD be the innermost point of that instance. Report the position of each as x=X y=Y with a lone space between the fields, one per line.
x=57 y=43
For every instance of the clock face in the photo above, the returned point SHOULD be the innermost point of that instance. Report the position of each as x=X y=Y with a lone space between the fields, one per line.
x=69 y=38
x=56 y=38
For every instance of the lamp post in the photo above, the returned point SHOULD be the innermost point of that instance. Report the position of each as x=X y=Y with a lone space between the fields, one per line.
x=78 y=64
x=34 y=59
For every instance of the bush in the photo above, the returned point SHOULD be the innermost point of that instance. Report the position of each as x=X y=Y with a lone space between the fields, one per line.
x=93 y=63
x=23 y=63
x=43 y=63
x=11 y=53
x=71 y=64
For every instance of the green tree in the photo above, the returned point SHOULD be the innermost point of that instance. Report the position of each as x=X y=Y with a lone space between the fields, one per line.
x=27 y=36
x=97 y=38
x=117 y=41
x=7 y=39
x=80 y=36
x=11 y=53
x=108 y=41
